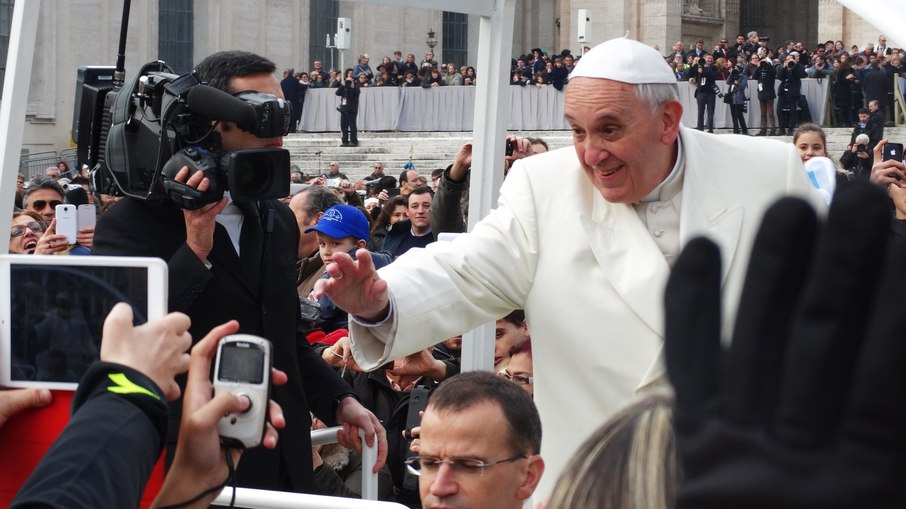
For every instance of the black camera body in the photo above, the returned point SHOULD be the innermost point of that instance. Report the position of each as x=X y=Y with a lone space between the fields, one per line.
x=791 y=64
x=159 y=121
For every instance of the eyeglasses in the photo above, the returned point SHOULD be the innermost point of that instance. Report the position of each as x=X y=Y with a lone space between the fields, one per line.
x=519 y=379
x=40 y=204
x=54 y=176
x=418 y=465
x=19 y=229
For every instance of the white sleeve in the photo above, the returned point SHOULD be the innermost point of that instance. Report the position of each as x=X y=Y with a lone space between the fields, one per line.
x=451 y=287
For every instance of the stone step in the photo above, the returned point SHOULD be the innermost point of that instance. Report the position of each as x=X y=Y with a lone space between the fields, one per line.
x=437 y=149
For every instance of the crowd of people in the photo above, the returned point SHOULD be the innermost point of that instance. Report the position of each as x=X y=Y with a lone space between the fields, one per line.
x=535 y=67
x=379 y=350
x=857 y=75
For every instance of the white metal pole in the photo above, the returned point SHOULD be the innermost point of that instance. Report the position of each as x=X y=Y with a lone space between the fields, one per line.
x=22 y=36
x=491 y=119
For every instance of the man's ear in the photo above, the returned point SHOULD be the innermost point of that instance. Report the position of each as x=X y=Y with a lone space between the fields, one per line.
x=533 y=472
x=671 y=116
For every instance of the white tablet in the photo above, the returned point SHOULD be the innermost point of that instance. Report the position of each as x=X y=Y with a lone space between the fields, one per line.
x=52 y=311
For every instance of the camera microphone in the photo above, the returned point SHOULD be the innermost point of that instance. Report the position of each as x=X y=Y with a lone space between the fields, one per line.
x=218 y=105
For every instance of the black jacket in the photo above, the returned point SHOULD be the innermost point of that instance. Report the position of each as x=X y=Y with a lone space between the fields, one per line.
x=766 y=76
x=349 y=98
x=791 y=79
x=261 y=295
x=105 y=454
x=705 y=77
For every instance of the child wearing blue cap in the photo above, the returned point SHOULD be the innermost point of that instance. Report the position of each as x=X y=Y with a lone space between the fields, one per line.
x=342 y=229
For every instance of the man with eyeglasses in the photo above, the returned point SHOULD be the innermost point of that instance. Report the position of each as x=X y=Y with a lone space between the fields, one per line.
x=520 y=369
x=479 y=444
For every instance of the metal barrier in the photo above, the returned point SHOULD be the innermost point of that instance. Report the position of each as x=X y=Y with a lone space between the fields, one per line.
x=264 y=499
x=35 y=164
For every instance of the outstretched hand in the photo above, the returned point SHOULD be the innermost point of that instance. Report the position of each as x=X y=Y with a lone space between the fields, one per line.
x=355 y=286
x=801 y=411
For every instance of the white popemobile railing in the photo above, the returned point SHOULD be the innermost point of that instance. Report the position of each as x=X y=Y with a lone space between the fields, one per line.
x=278 y=499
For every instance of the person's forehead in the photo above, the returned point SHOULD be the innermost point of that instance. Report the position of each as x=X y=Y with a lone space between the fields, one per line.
x=263 y=82
x=453 y=433
x=599 y=94
x=23 y=219
x=44 y=194
x=419 y=199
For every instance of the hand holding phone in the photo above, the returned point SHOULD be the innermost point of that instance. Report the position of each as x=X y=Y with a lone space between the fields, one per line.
x=243 y=367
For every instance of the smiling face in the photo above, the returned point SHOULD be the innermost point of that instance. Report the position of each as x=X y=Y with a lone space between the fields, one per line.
x=234 y=138
x=623 y=148
x=28 y=241
x=810 y=144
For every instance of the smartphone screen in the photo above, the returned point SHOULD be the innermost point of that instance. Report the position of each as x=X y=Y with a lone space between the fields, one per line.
x=893 y=151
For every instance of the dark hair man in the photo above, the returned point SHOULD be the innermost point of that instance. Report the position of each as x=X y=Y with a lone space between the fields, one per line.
x=42 y=196
x=236 y=260
x=415 y=231
x=465 y=465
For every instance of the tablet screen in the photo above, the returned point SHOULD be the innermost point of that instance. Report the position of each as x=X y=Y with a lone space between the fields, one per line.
x=57 y=316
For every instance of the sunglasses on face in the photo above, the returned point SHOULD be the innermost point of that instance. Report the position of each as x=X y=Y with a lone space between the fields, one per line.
x=40 y=204
x=19 y=229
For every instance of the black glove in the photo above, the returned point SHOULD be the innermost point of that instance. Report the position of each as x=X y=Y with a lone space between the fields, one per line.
x=805 y=409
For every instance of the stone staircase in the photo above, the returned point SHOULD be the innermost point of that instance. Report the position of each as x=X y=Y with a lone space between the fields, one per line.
x=313 y=151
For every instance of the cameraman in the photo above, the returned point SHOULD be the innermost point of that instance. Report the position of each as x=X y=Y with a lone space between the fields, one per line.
x=820 y=69
x=704 y=77
x=236 y=260
x=349 y=110
x=766 y=75
x=857 y=158
x=791 y=74
x=738 y=84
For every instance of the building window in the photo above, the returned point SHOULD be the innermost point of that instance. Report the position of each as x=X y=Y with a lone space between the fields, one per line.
x=6 y=22
x=322 y=17
x=456 y=39
x=175 y=44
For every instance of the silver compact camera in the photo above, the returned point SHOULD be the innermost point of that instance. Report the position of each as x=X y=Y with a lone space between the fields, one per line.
x=243 y=367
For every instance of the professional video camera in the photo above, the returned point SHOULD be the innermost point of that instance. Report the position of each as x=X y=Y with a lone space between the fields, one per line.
x=136 y=136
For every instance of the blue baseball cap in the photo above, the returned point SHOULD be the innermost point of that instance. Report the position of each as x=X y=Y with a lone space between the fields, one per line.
x=342 y=221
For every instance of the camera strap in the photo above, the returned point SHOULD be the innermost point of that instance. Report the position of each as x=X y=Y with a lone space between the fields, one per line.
x=251 y=239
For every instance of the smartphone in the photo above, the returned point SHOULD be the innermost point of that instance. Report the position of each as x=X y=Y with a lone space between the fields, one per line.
x=893 y=151
x=509 y=147
x=243 y=367
x=393 y=192
x=87 y=215
x=67 y=222
x=418 y=401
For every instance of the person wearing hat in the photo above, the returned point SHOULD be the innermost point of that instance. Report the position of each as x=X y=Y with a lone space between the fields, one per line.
x=342 y=229
x=586 y=259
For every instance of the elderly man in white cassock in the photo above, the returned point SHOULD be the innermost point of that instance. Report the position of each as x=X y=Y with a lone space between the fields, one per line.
x=588 y=259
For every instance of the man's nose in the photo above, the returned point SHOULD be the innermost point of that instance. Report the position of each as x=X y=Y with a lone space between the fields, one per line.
x=444 y=483
x=595 y=152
